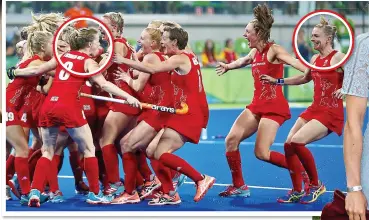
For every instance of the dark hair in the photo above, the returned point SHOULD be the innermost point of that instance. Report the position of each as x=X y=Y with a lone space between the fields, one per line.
x=227 y=42
x=23 y=33
x=79 y=39
x=209 y=50
x=263 y=22
x=178 y=34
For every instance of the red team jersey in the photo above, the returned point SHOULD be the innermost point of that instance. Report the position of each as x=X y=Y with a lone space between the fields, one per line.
x=158 y=91
x=326 y=108
x=188 y=88
x=62 y=105
x=18 y=94
x=268 y=101
x=116 y=107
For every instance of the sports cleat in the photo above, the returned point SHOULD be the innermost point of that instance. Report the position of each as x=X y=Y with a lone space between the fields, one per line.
x=291 y=197
x=34 y=198
x=203 y=186
x=100 y=198
x=178 y=181
x=149 y=187
x=306 y=180
x=114 y=189
x=24 y=200
x=232 y=191
x=81 y=188
x=314 y=193
x=154 y=194
x=166 y=200
x=15 y=187
x=8 y=196
x=126 y=198
x=44 y=197
x=56 y=197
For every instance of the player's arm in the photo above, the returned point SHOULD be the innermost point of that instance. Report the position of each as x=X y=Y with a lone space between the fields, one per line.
x=338 y=57
x=92 y=66
x=285 y=57
x=170 y=64
x=45 y=89
x=293 y=80
x=139 y=84
x=242 y=62
x=36 y=70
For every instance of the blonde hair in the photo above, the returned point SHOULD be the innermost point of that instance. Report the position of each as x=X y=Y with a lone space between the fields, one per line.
x=263 y=22
x=329 y=30
x=79 y=39
x=66 y=34
x=37 y=41
x=117 y=19
x=155 y=35
x=155 y=24
x=45 y=22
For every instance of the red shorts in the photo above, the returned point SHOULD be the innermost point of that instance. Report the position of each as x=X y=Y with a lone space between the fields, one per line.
x=22 y=118
x=278 y=115
x=333 y=122
x=58 y=114
x=36 y=107
x=125 y=109
x=153 y=118
x=189 y=125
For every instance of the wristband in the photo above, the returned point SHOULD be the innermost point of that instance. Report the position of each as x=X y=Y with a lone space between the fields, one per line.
x=354 y=189
x=280 y=81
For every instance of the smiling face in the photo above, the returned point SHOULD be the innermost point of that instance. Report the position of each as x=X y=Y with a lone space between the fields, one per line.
x=94 y=46
x=319 y=39
x=168 y=46
x=146 y=42
x=250 y=35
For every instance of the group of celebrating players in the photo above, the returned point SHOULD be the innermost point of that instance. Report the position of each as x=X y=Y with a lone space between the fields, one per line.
x=44 y=98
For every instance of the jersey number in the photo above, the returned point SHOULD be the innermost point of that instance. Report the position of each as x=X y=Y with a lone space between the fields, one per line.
x=63 y=75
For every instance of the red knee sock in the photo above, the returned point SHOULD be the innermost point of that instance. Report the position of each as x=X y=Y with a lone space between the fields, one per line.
x=75 y=163
x=155 y=166
x=92 y=174
x=143 y=167
x=307 y=161
x=164 y=175
x=176 y=163
x=278 y=159
x=42 y=169
x=52 y=175
x=294 y=167
x=130 y=171
x=139 y=179
x=10 y=169
x=32 y=162
x=234 y=162
x=110 y=156
x=102 y=172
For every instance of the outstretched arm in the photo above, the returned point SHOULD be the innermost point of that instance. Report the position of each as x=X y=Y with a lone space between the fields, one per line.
x=285 y=57
x=36 y=70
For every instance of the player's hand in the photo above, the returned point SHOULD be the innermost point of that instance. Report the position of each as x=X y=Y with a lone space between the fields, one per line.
x=134 y=102
x=121 y=75
x=11 y=72
x=268 y=79
x=356 y=205
x=117 y=58
x=338 y=94
x=221 y=68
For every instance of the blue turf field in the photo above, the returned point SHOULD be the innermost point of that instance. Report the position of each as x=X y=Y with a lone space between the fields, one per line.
x=267 y=182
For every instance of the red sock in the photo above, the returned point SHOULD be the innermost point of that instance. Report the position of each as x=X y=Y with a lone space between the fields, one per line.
x=164 y=175
x=110 y=156
x=294 y=167
x=143 y=167
x=139 y=179
x=10 y=170
x=176 y=163
x=92 y=174
x=42 y=169
x=234 y=162
x=278 y=159
x=52 y=175
x=130 y=171
x=173 y=173
x=155 y=166
x=307 y=161
x=75 y=165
